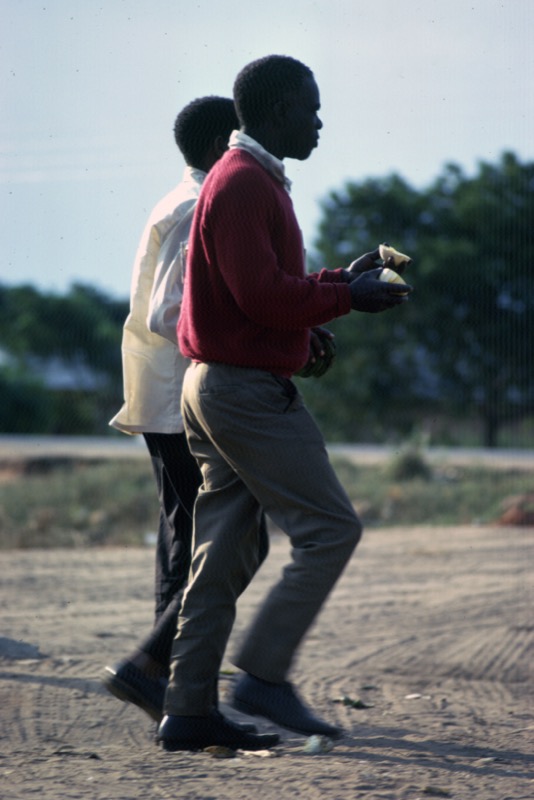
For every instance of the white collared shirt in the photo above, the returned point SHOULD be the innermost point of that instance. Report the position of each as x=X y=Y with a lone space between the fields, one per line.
x=153 y=367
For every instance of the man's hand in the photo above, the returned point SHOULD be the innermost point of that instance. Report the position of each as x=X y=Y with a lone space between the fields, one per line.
x=317 y=347
x=322 y=353
x=372 y=295
x=368 y=261
x=363 y=264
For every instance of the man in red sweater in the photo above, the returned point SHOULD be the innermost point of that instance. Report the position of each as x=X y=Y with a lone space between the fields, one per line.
x=245 y=323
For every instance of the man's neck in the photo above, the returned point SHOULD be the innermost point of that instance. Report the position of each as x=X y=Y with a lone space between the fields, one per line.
x=267 y=138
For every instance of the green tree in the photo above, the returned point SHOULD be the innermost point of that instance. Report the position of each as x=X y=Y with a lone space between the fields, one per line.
x=463 y=342
x=26 y=405
x=78 y=335
x=478 y=277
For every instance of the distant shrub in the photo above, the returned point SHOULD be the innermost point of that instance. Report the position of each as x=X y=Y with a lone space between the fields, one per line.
x=408 y=464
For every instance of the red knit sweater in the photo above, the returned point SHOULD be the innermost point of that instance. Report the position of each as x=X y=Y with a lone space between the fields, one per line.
x=247 y=299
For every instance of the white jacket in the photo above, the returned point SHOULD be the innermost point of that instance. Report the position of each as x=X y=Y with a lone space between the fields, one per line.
x=153 y=367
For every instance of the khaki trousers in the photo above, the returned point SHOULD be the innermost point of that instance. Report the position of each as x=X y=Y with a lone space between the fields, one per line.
x=258 y=448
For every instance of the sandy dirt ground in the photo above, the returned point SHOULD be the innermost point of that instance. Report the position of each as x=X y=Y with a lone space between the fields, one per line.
x=429 y=631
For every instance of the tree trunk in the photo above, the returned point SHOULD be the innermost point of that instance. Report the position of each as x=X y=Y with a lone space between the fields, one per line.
x=491 y=430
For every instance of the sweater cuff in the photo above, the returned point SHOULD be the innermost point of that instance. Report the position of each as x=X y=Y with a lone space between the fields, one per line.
x=344 y=299
x=341 y=275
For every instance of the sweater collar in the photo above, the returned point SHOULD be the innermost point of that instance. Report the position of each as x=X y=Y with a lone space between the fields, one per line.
x=240 y=141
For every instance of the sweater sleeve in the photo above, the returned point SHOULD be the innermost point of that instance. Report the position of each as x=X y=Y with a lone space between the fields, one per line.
x=259 y=252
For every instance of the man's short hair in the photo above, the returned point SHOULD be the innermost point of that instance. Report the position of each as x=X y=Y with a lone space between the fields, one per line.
x=200 y=123
x=263 y=82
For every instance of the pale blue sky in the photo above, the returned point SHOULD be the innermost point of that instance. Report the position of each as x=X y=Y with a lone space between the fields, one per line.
x=90 y=90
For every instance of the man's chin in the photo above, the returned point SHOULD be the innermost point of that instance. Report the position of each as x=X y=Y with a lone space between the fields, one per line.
x=304 y=155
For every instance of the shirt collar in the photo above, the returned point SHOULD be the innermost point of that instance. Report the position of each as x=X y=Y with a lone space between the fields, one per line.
x=194 y=174
x=240 y=141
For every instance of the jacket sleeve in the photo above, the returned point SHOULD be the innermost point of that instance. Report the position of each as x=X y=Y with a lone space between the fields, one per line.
x=167 y=288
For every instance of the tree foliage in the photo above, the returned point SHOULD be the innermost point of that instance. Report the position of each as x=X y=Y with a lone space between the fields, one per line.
x=61 y=360
x=463 y=344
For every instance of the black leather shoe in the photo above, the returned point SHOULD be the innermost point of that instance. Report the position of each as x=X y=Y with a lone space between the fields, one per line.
x=131 y=685
x=279 y=703
x=196 y=733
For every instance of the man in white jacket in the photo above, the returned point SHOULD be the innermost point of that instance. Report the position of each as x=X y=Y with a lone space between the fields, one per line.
x=153 y=370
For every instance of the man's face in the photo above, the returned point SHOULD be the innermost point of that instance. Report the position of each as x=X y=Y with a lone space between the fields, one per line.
x=301 y=124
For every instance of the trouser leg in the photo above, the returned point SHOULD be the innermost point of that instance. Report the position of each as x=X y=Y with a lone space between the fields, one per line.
x=291 y=476
x=158 y=642
x=226 y=555
x=178 y=478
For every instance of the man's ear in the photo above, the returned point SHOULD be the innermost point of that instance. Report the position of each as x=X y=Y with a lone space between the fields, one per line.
x=280 y=110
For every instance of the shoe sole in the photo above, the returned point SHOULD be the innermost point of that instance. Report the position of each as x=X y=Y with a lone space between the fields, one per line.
x=244 y=708
x=173 y=745
x=124 y=692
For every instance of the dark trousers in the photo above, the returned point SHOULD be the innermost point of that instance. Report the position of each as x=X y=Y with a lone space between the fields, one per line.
x=178 y=479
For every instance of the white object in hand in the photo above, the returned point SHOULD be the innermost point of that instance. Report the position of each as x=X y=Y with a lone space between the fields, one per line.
x=399 y=259
x=390 y=276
